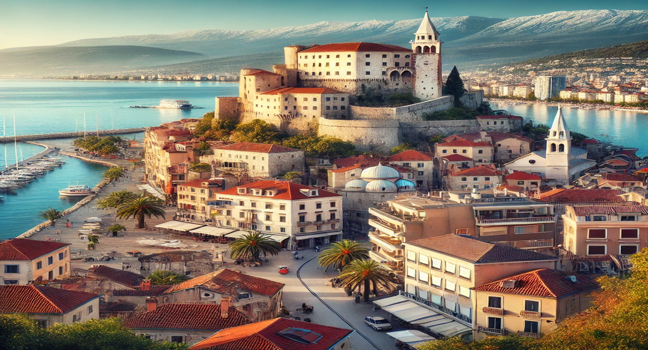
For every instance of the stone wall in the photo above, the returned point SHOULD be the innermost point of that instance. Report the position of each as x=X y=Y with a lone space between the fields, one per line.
x=366 y=135
x=412 y=112
x=227 y=108
x=431 y=128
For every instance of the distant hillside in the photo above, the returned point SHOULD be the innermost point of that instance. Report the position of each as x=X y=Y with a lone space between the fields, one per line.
x=636 y=50
x=64 y=61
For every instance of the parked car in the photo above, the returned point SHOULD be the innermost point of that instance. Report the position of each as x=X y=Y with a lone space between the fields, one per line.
x=378 y=323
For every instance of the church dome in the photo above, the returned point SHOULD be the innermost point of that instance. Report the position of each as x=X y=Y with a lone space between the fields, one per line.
x=380 y=172
x=356 y=185
x=405 y=185
x=381 y=186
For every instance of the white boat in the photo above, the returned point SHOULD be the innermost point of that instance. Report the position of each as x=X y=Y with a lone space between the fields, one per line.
x=175 y=104
x=76 y=191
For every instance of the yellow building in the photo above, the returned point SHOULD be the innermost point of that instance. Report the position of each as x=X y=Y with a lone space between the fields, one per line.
x=195 y=197
x=530 y=304
x=25 y=260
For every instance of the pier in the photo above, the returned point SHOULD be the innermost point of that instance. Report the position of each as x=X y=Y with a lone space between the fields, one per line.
x=67 y=135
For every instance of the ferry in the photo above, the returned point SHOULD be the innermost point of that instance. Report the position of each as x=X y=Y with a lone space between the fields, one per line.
x=175 y=104
x=76 y=191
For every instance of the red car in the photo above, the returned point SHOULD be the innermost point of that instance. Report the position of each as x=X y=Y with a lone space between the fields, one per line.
x=283 y=270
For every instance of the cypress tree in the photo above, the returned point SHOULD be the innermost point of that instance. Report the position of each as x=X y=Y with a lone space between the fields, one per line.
x=455 y=86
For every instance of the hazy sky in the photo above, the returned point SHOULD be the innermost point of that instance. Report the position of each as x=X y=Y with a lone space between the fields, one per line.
x=51 y=22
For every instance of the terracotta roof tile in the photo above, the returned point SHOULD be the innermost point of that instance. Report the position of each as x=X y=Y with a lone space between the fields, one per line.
x=581 y=195
x=351 y=47
x=457 y=158
x=227 y=282
x=284 y=190
x=520 y=175
x=265 y=336
x=258 y=148
x=126 y=278
x=410 y=155
x=261 y=72
x=464 y=143
x=478 y=252
x=545 y=283
x=153 y=291
x=41 y=300
x=581 y=210
x=306 y=90
x=343 y=170
x=364 y=161
x=27 y=249
x=187 y=316
x=481 y=170
x=620 y=177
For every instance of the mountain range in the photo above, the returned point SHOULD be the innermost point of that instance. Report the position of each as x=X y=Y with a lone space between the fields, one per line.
x=468 y=41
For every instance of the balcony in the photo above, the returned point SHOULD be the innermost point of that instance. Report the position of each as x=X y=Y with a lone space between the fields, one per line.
x=549 y=219
x=530 y=314
x=493 y=311
x=529 y=334
x=384 y=256
x=386 y=242
x=384 y=227
x=495 y=331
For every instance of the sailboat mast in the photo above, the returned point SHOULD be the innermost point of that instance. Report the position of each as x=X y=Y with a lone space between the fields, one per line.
x=15 y=141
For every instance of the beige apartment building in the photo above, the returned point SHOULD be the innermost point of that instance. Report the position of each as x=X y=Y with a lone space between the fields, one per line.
x=478 y=178
x=481 y=152
x=25 y=260
x=530 y=304
x=291 y=102
x=196 y=196
x=598 y=230
x=297 y=215
x=257 y=160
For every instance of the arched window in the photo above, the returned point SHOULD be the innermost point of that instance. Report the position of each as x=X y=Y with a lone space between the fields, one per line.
x=418 y=49
x=430 y=37
x=553 y=147
x=433 y=49
x=562 y=133
x=426 y=49
x=554 y=133
x=561 y=148
x=406 y=76
x=393 y=76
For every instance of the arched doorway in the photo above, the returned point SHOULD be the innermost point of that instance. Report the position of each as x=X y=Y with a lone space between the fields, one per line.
x=407 y=77
x=394 y=76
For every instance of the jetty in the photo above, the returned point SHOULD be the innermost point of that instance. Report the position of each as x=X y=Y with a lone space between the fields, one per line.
x=68 y=135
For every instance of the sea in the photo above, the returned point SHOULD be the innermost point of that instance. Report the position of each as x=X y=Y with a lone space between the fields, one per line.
x=47 y=106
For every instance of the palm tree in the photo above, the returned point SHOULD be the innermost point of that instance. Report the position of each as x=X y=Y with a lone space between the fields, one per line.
x=251 y=245
x=114 y=173
x=366 y=272
x=140 y=207
x=341 y=253
x=115 y=228
x=94 y=239
x=166 y=278
x=51 y=215
x=116 y=199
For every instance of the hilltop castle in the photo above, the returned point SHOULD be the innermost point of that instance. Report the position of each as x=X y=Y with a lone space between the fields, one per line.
x=313 y=88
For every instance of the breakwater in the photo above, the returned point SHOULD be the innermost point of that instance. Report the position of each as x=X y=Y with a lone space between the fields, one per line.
x=41 y=154
x=67 y=135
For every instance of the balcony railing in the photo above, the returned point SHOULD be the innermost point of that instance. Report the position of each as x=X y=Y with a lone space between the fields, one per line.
x=529 y=334
x=492 y=330
x=392 y=242
x=465 y=320
x=494 y=311
x=531 y=244
x=384 y=227
x=529 y=220
x=384 y=256
x=530 y=314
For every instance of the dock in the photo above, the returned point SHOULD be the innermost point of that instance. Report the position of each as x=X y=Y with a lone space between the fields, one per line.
x=68 y=135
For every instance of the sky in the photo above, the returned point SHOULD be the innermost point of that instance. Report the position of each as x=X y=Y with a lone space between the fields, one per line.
x=52 y=22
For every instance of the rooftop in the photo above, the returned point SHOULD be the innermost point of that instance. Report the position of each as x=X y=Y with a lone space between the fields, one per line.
x=187 y=316
x=27 y=249
x=581 y=195
x=620 y=177
x=228 y=282
x=261 y=72
x=283 y=190
x=198 y=183
x=458 y=142
x=303 y=90
x=126 y=278
x=457 y=158
x=410 y=155
x=257 y=148
x=545 y=283
x=481 y=170
x=41 y=300
x=353 y=47
x=520 y=175
x=623 y=208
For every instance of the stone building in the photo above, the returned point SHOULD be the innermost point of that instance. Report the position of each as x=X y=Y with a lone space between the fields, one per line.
x=256 y=160
x=26 y=260
x=190 y=263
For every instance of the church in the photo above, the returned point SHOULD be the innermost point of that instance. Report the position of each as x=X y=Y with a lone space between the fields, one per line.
x=559 y=161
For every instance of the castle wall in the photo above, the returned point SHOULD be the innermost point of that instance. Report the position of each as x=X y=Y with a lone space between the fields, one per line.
x=428 y=83
x=412 y=112
x=438 y=127
x=227 y=108
x=366 y=135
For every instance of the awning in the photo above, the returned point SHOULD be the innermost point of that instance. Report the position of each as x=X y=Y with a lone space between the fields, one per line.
x=413 y=314
x=212 y=231
x=237 y=234
x=390 y=301
x=93 y=219
x=399 y=307
x=301 y=238
x=170 y=224
x=382 y=243
x=411 y=337
x=428 y=319
x=464 y=302
x=186 y=227
x=450 y=329
x=277 y=238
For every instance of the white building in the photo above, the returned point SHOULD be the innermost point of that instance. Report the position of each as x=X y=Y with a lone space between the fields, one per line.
x=548 y=86
x=23 y=261
x=305 y=216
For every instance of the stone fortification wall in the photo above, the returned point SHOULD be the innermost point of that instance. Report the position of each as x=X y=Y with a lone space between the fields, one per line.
x=366 y=135
x=355 y=87
x=439 y=127
x=412 y=112
x=472 y=99
x=227 y=108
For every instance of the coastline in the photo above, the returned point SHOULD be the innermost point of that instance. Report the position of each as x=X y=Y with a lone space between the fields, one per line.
x=582 y=105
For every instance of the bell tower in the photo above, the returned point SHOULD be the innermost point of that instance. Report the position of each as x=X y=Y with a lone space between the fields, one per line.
x=558 y=150
x=427 y=60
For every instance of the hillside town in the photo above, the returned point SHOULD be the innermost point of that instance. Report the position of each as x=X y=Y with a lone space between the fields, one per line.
x=253 y=238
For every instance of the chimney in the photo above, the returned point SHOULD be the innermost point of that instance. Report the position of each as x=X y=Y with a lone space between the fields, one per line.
x=151 y=304
x=224 y=306
x=146 y=285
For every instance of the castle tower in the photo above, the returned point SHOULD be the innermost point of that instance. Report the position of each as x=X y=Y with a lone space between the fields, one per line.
x=558 y=150
x=427 y=60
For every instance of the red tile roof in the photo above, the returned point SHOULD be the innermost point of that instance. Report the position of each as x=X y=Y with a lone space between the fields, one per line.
x=410 y=155
x=258 y=148
x=27 y=249
x=520 y=175
x=364 y=161
x=591 y=141
x=464 y=143
x=41 y=300
x=457 y=158
x=227 y=282
x=546 y=283
x=126 y=278
x=343 y=170
x=481 y=170
x=306 y=90
x=284 y=190
x=478 y=252
x=265 y=336
x=581 y=195
x=582 y=210
x=187 y=316
x=620 y=177
x=261 y=72
x=153 y=291
x=351 y=47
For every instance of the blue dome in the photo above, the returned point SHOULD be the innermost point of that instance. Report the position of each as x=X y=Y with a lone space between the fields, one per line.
x=405 y=185
x=356 y=185
x=380 y=172
x=381 y=186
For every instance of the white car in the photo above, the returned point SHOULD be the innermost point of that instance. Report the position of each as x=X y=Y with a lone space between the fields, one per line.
x=378 y=323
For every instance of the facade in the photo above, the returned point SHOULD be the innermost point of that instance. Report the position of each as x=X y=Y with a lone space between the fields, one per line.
x=480 y=152
x=257 y=160
x=500 y=123
x=25 y=260
x=530 y=304
x=256 y=298
x=548 y=86
x=303 y=216
x=196 y=196
x=443 y=270
x=279 y=334
x=523 y=181
x=506 y=146
x=477 y=178
x=423 y=165
x=49 y=306
x=288 y=103
x=620 y=229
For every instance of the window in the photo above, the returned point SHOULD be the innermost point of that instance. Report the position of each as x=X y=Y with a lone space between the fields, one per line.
x=450 y=268
x=50 y=260
x=420 y=165
x=451 y=286
x=464 y=291
x=254 y=227
x=436 y=281
x=60 y=270
x=424 y=277
x=253 y=204
x=10 y=281
x=176 y=339
x=436 y=264
x=495 y=302
x=411 y=272
x=411 y=256
x=89 y=309
x=464 y=272
x=532 y=305
x=494 y=323
x=302 y=229
x=318 y=205
x=628 y=218
x=367 y=63
x=282 y=230
x=302 y=218
x=61 y=256
x=423 y=259
x=596 y=249
x=628 y=249
x=282 y=219
x=241 y=215
x=39 y=265
x=530 y=327
x=302 y=206
x=450 y=305
x=384 y=56
x=596 y=233
x=367 y=73
x=268 y=217
x=384 y=64
x=630 y=233
x=11 y=269
x=600 y=218
x=74 y=318
x=464 y=179
x=522 y=229
x=367 y=55
x=421 y=173
x=282 y=207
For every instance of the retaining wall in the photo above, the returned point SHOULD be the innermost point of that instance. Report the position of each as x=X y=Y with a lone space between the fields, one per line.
x=366 y=135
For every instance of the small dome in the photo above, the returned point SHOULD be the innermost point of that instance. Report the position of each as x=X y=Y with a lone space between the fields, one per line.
x=381 y=186
x=405 y=185
x=356 y=185
x=380 y=172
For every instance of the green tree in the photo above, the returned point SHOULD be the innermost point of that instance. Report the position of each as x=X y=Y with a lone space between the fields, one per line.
x=437 y=139
x=114 y=173
x=341 y=253
x=220 y=130
x=365 y=272
x=455 y=113
x=252 y=245
x=116 y=199
x=18 y=332
x=257 y=131
x=200 y=167
x=320 y=146
x=166 y=278
x=291 y=175
x=204 y=125
x=491 y=343
x=202 y=149
x=141 y=207
x=455 y=86
x=93 y=239
x=51 y=215
x=531 y=96
x=401 y=148
x=115 y=228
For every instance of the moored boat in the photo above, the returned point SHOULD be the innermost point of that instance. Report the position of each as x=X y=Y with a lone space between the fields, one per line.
x=76 y=191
